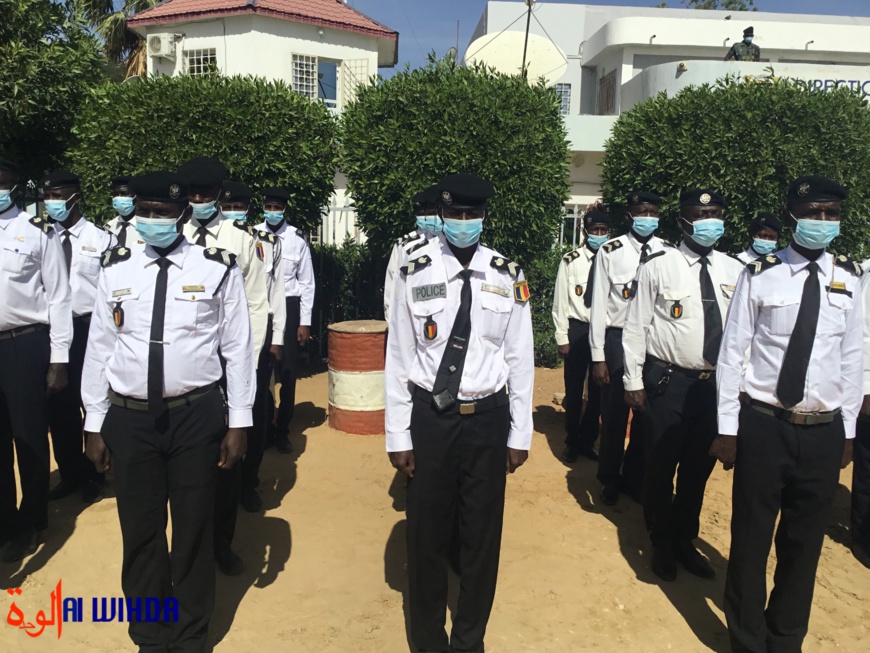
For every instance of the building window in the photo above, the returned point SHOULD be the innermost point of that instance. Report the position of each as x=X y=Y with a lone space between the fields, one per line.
x=305 y=73
x=607 y=94
x=354 y=73
x=564 y=93
x=200 y=62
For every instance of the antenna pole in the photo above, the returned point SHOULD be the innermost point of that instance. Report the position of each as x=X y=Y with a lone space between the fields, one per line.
x=526 y=44
x=457 y=38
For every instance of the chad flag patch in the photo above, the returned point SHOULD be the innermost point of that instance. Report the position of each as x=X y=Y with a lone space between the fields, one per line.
x=521 y=291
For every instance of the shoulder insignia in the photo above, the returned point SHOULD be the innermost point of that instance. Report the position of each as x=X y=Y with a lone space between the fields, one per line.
x=763 y=263
x=220 y=255
x=108 y=229
x=244 y=226
x=419 y=245
x=416 y=265
x=505 y=265
x=612 y=246
x=41 y=223
x=668 y=243
x=650 y=257
x=571 y=256
x=263 y=235
x=115 y=255
x=843 y=261
x=521 y=291
x=407 y=238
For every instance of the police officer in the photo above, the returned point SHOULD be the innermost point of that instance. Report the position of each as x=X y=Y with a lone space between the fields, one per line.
x=671 y=342
x=460 y=335
x=745 y=50
x=35 y=337
x=165 y=315
x=236 y=205
x=123 y=224
x=615 y=268
x=299 y=296
x=764 y=232
x=208 y=228
x=787 y=418
x=83 y=244
x=428 y=224
x=571 y=303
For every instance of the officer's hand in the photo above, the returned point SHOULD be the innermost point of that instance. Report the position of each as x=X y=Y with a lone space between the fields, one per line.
x=404 y=462
x=600 y=374
x=564 y=350
x=847 y=454
x=865 y=408
x=636 y=400
x=303 y=335
x=97 y=451
x=276 y=352
x=56 y=380
x=515 y=459
x=724 y=448
x=233 y=447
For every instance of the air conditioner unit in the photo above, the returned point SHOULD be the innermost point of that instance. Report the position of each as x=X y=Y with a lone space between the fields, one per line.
x=161 y=45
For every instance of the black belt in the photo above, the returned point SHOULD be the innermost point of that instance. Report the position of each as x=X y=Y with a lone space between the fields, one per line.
x=701 y=375
x=20 y=331
x=613 y=329
x=495 y=400
x=793 y=416
x=83 y=318
x=293 y=299
x=170 y=404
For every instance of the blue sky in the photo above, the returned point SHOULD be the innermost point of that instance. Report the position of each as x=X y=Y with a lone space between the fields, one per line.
x=426 y=25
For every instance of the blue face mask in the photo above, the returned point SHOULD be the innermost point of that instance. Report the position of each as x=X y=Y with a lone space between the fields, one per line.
x=747 y=40
x=123 y=205
x=644 y=226
x=203 y=211
x=6 y=199
x=430 y=224
x=762 y=246
x=57 y=210
x=463 y=233
x=815 y=234
x=595 y=242
x=274 y=218
x=157 y=232
x=236 y=215
x=707 y=232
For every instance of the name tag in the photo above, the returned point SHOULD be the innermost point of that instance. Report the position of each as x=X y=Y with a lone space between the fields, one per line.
x=122 y=292
x=838 y=285
x=728 y=288
x=89 y=249
x=432 y=291
x=193 y=289
x=497 y=290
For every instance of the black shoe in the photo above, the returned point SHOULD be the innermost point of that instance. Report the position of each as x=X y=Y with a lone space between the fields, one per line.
x=589 y=453
x=664 y=564
x=283 y=445
x=570 y=455
x=693 y=561
x=610 y=495
x=228 y=562
x=92 y=492
x=21 y=546
x=861 y=554
x=251 y=501
x=63 y=490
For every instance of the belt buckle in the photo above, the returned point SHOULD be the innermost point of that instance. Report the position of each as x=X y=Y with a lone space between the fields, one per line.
x=703 y=376
x=467 y=409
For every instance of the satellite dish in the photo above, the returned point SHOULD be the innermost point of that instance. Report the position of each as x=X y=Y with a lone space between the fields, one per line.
x=504 y=52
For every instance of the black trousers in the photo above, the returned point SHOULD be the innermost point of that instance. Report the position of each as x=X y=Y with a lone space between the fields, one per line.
x=861 y=487
x=289 y=368
x=613 y=455
x=679 y=427
x=65 y=414
x=24 y=425
x=582 y=432
x=459 y=483
x=791 y=472
x=262 y=416
x=174 y=460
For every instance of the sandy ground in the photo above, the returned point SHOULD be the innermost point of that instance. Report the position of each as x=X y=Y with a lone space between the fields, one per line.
x=325 y=564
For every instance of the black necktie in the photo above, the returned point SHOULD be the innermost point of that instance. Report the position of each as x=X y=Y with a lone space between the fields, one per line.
x=712 y=316
x=155 y=347
x=446 y=387
x=590 y=284
x=67 y=250
x=644 y=251
x=793 y=374
x=122 y=233
x=201 y=233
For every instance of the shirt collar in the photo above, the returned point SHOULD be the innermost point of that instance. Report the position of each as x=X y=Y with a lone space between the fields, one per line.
x=176 y=256
x=75 y=231
x=693 y=257
x=451 y=264
x=797 y=261
x=7 y=215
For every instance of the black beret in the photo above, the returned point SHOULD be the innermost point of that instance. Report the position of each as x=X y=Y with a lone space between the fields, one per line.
x=10 y=166
x=160 y=186
x=815 y=189
x=595 y=217
x=701 y=197
x=643 y=197
x=203 y=171
x=749 y=31
x=121 y=180
x=765 y=221
x=463 y=190
x=428 y=197
x=60 y=179
x=236 y=190
x=276 y=192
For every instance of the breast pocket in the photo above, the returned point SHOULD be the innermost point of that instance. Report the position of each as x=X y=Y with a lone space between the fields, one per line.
x=17 y=259
x=429 y=319
x=495 y=316
x=192 y=310
x=779 y=314
x=833 y=322
x=291 y=264
x=674 y=303
x=621 y=286
x=88 y=264
x=127 y=314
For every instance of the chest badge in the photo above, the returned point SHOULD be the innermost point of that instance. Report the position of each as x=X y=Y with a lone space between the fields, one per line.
x=118 y=315
x=626 y=291
x=578 y=290
x=677 y=310
x=430 y=329
x=260 y=253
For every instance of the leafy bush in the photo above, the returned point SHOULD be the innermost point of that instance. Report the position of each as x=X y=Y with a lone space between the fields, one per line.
x=542 y=282
x=748 y=139
x=265 y=133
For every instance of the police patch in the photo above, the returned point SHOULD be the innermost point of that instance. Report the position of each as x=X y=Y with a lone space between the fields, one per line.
x=430 y=291
x=578 y=290
x=430 y=329
x=261 y=254
x=677 y=310
x=174 y=191
x=705 y=198
x=521 y=291
x=626 y=291
x=118 y=315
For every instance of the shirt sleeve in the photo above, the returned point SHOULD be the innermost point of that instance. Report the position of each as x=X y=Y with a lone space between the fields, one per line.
x=102 y=335
x=390 y=280
x=560 y=304
x=736 y=338
x=277 y=300
x=598 y=315
x=852 y=367
x=305 y=278
x=58 y=296
x=865 y=307
x=519 y=354
x=237 y=348
x=254 y=276
x=401 y=351
x=641 y=309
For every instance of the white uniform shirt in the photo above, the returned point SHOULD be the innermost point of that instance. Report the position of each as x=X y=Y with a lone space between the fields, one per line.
x=88 y=242
x=269 y=249
x=398 y=257
x=115 y=225
x=34 y=286
x=500 y=349
x=570 y=293
x=298 y=270
x=224 y=234
x=614 y=271
x=747 y=256
x=865 y=306
x=205 y=313
x=762 y=317
x=666 y=315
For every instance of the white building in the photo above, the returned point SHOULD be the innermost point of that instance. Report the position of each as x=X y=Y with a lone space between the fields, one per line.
x=323 y=48
x=619 y=56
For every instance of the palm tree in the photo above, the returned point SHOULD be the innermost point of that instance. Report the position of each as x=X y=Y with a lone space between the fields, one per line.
x=121 y=45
